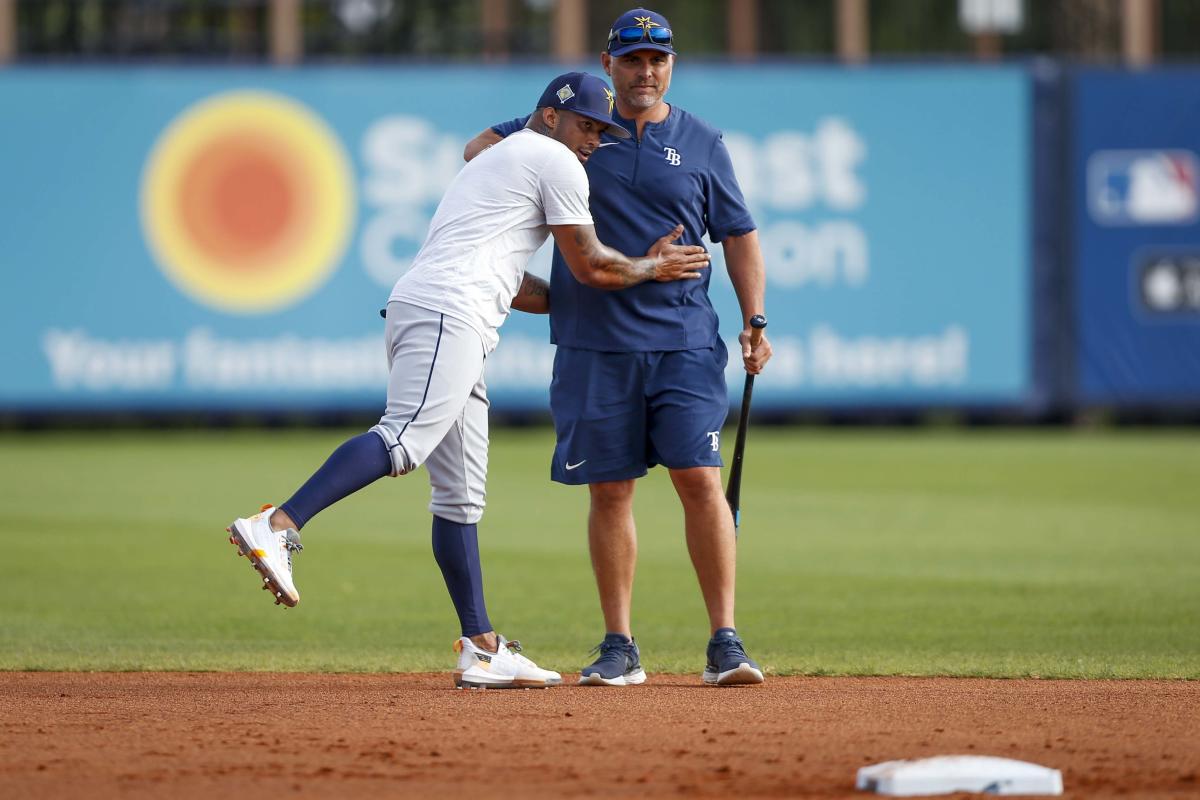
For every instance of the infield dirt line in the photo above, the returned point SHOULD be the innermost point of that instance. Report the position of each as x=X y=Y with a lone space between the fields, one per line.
x=205 y=735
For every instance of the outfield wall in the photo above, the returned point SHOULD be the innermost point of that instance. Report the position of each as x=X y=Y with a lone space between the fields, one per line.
x=223 y=238
x=1135 y=161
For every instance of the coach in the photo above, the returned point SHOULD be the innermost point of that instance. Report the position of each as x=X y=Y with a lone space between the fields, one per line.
x=639 y=373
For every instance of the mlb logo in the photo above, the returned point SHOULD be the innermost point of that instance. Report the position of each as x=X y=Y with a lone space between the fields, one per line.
x=1143 y=187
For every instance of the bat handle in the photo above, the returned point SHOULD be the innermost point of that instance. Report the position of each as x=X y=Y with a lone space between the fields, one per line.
x=757 y=323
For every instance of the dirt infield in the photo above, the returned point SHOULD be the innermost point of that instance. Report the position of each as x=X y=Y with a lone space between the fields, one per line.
x=215 y=734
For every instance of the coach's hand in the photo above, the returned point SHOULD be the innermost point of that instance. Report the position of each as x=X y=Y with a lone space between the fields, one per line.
x=756 y=356
x=677 y=262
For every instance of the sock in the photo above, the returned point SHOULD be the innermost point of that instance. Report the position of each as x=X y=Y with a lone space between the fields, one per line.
x=357 y=463
x=456 y=550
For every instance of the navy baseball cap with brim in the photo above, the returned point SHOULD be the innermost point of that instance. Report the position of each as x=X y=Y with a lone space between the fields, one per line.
x=584 y=94
x=640 y=29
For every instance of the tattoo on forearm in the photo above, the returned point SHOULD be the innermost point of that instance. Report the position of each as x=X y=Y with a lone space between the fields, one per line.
x=628 y=272
x=533 y=286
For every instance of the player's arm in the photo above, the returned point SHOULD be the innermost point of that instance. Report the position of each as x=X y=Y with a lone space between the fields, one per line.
x=743 y=259
x=595 y=264
x=534 y=295
x=483 y=141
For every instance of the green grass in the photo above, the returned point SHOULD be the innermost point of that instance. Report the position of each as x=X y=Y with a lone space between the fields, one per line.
x=993 y=553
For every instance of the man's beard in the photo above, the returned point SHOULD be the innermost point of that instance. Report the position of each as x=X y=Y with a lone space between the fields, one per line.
x=638 y=100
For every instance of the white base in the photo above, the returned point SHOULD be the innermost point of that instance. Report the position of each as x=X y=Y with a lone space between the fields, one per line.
x=949 y=774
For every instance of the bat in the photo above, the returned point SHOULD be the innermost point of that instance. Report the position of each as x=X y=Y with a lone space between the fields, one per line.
x=733 y=492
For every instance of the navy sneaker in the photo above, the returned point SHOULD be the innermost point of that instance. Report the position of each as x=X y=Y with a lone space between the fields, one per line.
x=728 y=664
x=619 y=663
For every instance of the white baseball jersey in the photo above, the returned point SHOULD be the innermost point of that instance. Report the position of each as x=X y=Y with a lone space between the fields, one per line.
x=491 y=221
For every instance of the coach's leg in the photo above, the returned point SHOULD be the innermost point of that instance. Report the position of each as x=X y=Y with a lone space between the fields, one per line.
x=612 y=540
x=710 y=539
x=688 y=405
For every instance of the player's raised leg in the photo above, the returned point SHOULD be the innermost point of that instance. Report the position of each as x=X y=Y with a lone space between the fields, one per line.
x=270 y=552
x=271 y=537
x=423 y=402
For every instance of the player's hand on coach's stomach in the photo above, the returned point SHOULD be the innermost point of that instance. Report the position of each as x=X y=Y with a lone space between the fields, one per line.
x=678 y=262
x=595 y=264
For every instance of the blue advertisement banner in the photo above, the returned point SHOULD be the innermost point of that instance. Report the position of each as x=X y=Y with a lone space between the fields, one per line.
x=1136 y=167
x=223 y=238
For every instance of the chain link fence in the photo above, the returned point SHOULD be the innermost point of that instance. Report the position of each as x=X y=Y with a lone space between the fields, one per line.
x=240 y=30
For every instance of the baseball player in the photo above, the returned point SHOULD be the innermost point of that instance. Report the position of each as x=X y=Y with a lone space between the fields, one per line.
x=442 y=321
x=650 y=355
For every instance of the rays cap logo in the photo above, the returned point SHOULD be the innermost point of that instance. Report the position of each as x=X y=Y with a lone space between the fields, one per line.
x=247 y=201
x=585 y=94
x=640 y=29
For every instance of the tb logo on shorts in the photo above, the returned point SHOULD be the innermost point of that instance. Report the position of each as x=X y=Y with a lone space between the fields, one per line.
x=673 y=157
x=714 y=438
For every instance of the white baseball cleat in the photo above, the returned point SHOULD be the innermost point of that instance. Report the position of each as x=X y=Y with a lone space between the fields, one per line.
x=270 y=552
x=505 y=669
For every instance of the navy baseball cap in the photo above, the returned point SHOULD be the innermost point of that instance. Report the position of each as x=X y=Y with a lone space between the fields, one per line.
x=584 y=94
x=640 y=29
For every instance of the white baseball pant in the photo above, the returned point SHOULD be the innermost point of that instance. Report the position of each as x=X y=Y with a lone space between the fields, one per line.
x=437 y=407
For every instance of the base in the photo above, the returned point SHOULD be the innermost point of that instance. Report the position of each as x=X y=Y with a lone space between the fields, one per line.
x=950 y=774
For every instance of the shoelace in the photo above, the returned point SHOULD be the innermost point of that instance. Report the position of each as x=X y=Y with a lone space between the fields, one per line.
x=732 y=646
x=606 y=648
x=514 y=649
x=291 y=544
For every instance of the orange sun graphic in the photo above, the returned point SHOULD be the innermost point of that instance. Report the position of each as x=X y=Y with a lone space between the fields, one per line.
x=247 y=201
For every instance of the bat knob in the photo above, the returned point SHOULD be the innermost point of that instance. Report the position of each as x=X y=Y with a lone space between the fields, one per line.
x=757 y=323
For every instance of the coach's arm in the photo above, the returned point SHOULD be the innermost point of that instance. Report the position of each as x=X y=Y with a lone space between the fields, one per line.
x=744 y=262
x=595 y=264
x=480 y=143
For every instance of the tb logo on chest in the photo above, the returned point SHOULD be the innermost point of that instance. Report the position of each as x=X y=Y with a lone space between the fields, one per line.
x=673 y=157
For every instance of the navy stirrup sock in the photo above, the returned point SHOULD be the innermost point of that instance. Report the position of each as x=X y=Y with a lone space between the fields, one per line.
x=357 y=463
x=456 y=549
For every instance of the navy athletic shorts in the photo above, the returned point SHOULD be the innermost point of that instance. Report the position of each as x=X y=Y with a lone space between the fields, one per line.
x=618 y=414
